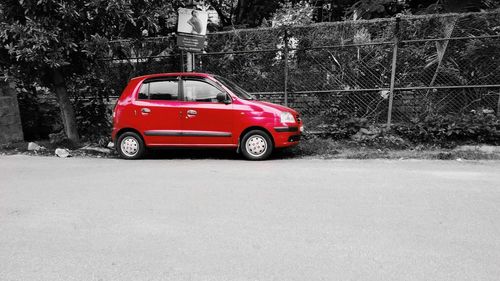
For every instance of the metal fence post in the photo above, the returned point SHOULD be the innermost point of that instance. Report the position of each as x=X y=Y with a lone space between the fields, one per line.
x=189 y=61
x=285 y=37
x=393 y=73
x=182 y=61
x=498 y=105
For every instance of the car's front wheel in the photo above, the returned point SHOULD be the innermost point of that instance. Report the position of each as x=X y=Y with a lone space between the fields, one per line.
x=256 y=145
x=130 y=146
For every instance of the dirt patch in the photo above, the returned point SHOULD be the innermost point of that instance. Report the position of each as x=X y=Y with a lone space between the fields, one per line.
x=308 y=148
x=348 y=149
x=48 y=149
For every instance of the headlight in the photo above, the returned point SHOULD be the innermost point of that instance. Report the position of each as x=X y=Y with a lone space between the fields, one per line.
x=287 y=117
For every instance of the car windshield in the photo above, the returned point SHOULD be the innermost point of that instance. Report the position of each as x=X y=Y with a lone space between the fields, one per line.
x=237 y=90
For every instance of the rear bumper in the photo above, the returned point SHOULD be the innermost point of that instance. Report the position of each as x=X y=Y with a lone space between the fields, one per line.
x=113 y=134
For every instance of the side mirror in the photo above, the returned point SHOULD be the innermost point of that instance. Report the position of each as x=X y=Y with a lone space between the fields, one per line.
x=222 y=98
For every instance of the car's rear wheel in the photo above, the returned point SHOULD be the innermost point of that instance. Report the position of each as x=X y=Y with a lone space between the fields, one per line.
x=130 y=146
x=256 y=145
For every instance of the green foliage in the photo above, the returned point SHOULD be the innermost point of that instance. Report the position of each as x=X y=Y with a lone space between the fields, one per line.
x=94 y=119
x=337 y=123
x=471 y=127
x=92 y=105
x=369 y=9
x=48 y=42
x=300 y=13
x=244 y=13
x=61 y=34
x=39 y=116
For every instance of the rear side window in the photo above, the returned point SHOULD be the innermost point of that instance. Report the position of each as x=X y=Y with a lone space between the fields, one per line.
x=143 y=92
x=159 y=90
x=200 y=91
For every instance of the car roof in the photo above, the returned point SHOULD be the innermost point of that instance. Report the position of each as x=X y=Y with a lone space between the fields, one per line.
x=184 y=74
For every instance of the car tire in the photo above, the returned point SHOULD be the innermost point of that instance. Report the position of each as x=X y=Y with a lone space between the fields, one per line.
x=130 y=146
x=256 y=145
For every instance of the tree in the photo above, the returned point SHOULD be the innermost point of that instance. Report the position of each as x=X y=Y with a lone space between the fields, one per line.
x=49 y=40
x=454 y=6
x=249 y=13
x=368 y=9
x=289 y=14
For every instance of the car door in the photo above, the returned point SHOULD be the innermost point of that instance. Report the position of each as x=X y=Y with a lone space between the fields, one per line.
x=158 y=111
x=205 y=122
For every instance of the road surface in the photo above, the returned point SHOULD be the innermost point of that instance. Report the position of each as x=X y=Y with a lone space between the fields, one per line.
x=204 y=219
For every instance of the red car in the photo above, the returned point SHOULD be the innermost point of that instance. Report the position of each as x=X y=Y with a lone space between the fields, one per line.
x=199 y=110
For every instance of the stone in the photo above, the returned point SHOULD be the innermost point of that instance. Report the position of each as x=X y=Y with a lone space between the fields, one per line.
x=385 y=94
x=33 y=146
x=365 y=131
x=358 y=136
x=62 y=152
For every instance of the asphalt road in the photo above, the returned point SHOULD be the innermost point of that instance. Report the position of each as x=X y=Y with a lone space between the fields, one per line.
x=180 y=219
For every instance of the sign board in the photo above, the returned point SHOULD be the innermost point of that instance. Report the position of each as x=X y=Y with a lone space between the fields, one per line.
x=191 y=29
x=192 y=21
x=191 y=43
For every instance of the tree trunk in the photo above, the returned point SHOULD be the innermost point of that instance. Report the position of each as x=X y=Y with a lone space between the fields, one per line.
x=67 y=112
x=241 y=8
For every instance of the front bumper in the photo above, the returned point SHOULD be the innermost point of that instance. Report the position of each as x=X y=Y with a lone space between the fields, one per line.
x=287 y=136
x=284 y=129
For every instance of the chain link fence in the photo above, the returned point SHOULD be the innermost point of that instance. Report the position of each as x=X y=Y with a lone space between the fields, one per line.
x=386 y=71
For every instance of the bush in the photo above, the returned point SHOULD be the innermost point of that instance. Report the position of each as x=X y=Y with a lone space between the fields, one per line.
x=337 y=123
x=40 y=115
x=93 y=118
x=446 y=130
x=478 y=127
x=92 y=108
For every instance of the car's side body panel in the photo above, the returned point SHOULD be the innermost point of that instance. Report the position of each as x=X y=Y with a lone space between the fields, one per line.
x=161 y=123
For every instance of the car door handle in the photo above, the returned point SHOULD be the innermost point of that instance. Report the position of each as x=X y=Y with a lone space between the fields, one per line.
x=145 y=110
x=191 y=112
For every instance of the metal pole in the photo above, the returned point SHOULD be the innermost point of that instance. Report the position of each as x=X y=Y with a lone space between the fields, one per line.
x=391 y=90
x=189 y=62
x=182 y=61
x=498 y=106
x=393 y=73
x=286 y=67
x=194 y=62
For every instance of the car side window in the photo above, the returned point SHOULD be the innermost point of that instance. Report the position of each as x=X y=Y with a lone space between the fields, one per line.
x=200 y=91
x=159 y=90
x=143 y=92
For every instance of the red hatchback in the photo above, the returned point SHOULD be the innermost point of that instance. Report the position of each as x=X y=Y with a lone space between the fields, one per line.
x=199 y=110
